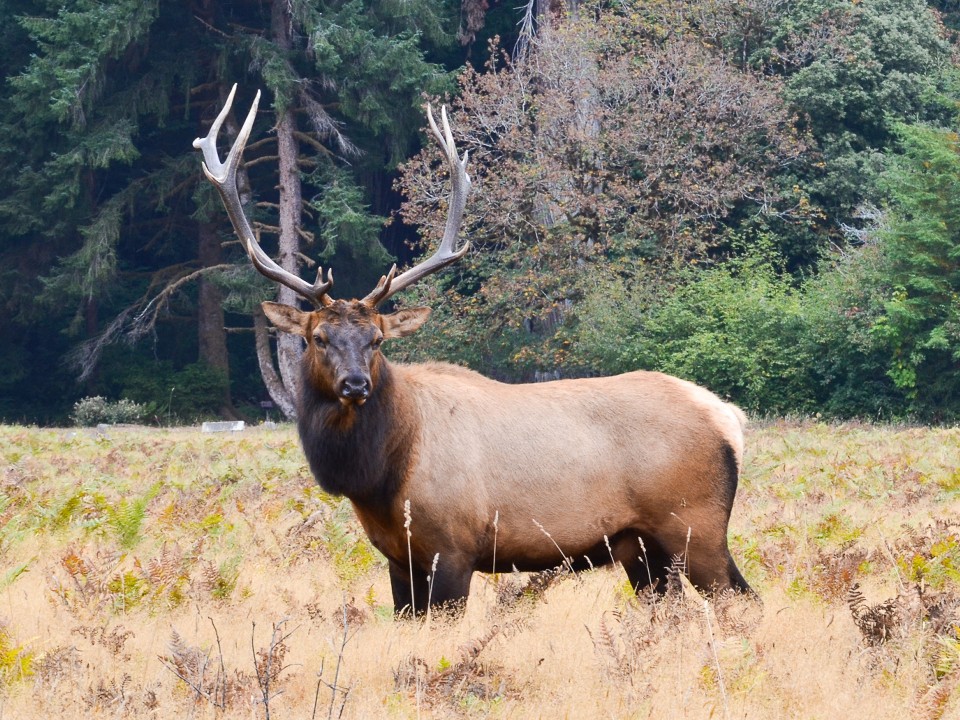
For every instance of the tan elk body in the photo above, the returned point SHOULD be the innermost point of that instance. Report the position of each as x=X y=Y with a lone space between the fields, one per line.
x=638 y=468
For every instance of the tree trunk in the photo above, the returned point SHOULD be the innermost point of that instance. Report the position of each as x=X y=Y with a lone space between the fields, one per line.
x=92 y=329
x=289 y=347
x=278 y=391
x=211 y=333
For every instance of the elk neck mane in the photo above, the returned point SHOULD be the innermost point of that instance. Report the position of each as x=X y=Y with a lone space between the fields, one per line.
x=360 y=452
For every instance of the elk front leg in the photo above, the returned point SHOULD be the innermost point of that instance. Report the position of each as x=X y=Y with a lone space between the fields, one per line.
x=403 y=595
x=447 y=590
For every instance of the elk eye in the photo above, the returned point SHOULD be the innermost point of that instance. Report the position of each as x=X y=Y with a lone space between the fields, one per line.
x=319 y=341
x=377 y=342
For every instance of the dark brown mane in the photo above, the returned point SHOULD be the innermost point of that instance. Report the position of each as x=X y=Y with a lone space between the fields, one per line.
x=330 y=435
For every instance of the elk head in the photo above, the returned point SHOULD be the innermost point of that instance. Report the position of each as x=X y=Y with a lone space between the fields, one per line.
x=343 y=337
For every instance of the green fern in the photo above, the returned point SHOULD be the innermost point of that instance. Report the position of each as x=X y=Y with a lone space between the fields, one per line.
x=126 y=590
x=226 y=580
x=12 y=574
x=16 y=662
x=126 y=517
x=352 y=556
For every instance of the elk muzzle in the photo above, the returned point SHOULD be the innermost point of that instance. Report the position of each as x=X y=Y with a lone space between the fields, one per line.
x=354 y=388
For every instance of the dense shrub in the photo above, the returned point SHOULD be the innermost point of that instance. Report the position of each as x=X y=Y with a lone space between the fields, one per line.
x=170 y=395
x=179 y=396
x=842 y=307
x=875 y=333
x=90 y=411
x=887 y=313
x=738 y=329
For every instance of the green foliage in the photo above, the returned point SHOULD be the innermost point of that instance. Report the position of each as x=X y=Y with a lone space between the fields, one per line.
x=882 y=61
x=884 y=316
x=375 y=50
x=75 y=47
x=125 y=517
x=168 y=395
x=618 y=165
x=835 y=528
x=352 y=555
x=347 y=231
x=226 y=578
x=920 y=327
x=16 y=661
x=100 y=219
x=582 y=156
x=934 y=561
x=127 y=589
x=738 y=329
x=852 y=71
x=842 y=305
x=873 y=335
x=11 y=575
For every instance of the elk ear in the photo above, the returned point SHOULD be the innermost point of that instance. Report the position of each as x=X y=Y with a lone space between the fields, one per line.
x=403 y=322
x=286 y=318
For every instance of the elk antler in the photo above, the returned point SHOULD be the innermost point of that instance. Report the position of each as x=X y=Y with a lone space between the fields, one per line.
x=446 y=253
x=224 y=178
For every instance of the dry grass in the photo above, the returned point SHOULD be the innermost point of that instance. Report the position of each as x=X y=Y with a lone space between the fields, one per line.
x=157 y=574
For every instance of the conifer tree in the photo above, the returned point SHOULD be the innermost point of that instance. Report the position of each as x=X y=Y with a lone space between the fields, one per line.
x=102 y=188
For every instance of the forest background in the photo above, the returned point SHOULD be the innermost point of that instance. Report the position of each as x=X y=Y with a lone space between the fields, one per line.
x=761 y=196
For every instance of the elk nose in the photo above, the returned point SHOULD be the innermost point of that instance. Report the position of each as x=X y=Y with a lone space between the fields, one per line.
x=355 y=387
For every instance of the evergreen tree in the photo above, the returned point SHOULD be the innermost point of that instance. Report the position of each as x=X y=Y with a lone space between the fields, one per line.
x=102 y=193
x=919 y=329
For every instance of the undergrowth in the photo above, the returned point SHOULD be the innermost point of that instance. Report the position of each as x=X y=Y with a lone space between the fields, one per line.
x=165 y=573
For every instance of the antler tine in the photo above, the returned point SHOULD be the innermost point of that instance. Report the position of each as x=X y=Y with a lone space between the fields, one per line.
x=382 y=291
x=223 y=175
x=446 y=253
x=455 y=215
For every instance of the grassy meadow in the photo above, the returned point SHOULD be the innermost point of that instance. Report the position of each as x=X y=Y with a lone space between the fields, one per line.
x=164 y=573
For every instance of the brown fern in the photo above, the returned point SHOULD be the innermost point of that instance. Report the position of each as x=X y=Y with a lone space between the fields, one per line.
x=167 y=567
x=876 y=623
x=467 y=677
x=114 y=640
x=932 y=705
x=612 y=653
x=510 y=592
x=208 y=679
x=108 y=694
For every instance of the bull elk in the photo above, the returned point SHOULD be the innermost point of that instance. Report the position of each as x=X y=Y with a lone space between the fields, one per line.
x=636 y=469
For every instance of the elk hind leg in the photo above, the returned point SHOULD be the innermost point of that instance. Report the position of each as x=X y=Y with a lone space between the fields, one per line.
x=449 y=586
x=704 y=557
x=643 y=559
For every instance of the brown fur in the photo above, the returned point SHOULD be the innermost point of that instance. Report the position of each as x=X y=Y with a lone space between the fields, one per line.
x=637 y=469
x=637 y=458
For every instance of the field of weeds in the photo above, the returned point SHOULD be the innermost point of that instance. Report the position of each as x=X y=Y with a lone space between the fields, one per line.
x=164 y=573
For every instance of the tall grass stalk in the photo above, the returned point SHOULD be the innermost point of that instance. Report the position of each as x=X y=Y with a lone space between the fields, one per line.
x=646 y=561
x=566 y=561
x=430 y=579
x=496 y=521
x=606 y=541
x=716 y=659
x=336 y=673
x=407 y=519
